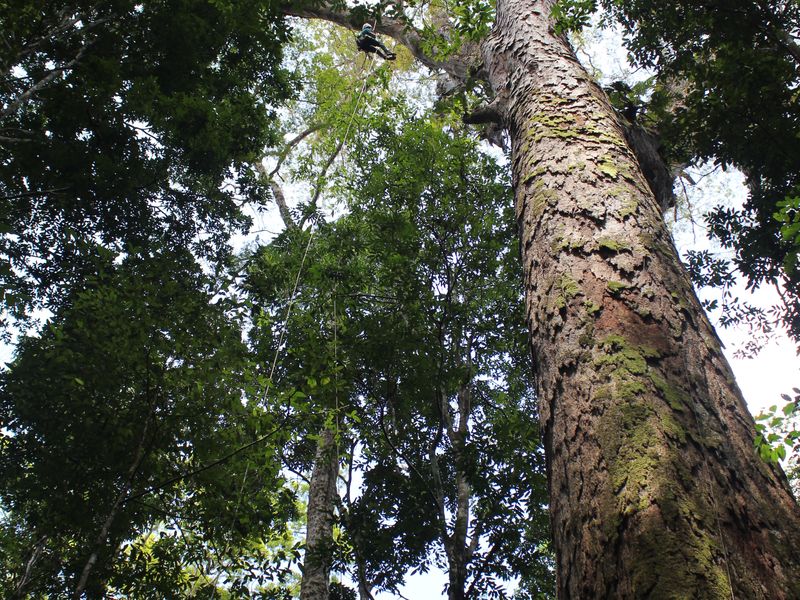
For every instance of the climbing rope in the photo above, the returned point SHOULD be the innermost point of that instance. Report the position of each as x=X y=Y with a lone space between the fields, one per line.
x=358 y=100
x=288 y=314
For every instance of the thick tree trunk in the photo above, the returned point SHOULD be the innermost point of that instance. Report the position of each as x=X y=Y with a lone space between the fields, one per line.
x=655 y=488
x=315 y=584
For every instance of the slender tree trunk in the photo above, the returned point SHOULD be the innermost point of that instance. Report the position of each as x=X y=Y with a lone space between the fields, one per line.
x=315 y=584
x=655 y=488
x=35 y=555
x=458 y=551
x=102 y=537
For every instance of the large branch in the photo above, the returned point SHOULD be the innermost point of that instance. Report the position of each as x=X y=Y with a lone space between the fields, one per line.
x=397 y=29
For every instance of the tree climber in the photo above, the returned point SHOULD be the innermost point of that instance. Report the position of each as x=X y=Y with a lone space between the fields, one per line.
x=368 y=42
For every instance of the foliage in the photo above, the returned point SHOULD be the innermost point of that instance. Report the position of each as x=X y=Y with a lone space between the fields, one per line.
x=778 y=436
x=788 y=215
x=342 y=592
x=126 y=123
x=135 y=381
x=572 y=15
x=721 y=64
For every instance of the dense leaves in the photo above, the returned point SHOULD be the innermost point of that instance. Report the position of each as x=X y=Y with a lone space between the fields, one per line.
x=407 y=333
x=124 y=123
x=725 y=91
x=135 y=381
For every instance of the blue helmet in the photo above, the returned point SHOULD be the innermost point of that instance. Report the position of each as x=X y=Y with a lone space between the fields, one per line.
x=366 y=26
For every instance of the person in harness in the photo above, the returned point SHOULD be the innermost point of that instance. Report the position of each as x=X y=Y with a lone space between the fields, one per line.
x=369 y=43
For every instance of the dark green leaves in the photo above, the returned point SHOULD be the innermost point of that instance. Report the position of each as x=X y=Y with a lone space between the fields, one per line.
x=572 y=15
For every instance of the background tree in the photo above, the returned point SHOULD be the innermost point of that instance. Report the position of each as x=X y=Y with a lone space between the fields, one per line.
x=133 y=384
x=403 y=301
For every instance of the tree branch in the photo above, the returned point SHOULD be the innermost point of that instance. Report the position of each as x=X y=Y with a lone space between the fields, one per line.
x=485 y=113
x=277 y=194
x=318 y=186
x=284 y=153
x=35 y=554
x=26 y=95
x=283 y=209
x=102 y=536
x=398 y=29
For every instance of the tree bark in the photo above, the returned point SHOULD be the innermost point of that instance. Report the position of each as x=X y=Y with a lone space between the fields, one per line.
x=315 y=584
x=35 y=555
x=655 y=488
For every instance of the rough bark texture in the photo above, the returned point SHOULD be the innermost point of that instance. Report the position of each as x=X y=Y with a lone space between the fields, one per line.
x=656 y=491
x=315 y=584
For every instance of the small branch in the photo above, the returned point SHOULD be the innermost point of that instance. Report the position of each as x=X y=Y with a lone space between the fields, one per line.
x=206 y=467
x=284 y=153
x=473 y=543
x=410 y=464
x=786 y=40
x=437 y=478
x=25 y=96
x=40 y=193
x=36 y=553
x=67 y=22
x=318 y=187
x=102 y=536
x=11 y=140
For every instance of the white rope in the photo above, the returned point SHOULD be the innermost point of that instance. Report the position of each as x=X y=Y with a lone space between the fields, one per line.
x=288 y=314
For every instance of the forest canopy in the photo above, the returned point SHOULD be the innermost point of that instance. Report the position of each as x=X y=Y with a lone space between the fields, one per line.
x=293 y=321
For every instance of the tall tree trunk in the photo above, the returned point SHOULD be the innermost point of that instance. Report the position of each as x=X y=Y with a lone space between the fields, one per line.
x=315 y=584
x=655 y=488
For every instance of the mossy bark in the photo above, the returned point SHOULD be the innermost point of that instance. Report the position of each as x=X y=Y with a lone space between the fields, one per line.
x=656 y=490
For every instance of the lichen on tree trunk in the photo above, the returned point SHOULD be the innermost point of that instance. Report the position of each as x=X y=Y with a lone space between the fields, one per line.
x=656 y=490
